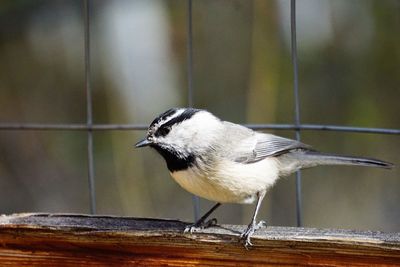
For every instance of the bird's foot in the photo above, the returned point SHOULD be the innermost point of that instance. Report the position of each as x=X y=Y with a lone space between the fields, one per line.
x=245 y=237
x=199 y=225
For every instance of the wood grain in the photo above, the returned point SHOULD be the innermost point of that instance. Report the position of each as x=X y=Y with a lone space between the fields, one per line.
x=83 y=240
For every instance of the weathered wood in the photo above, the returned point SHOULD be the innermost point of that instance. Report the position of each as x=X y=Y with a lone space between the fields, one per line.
x=73 y=240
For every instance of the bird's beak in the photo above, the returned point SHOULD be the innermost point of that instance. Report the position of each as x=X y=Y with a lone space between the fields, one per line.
x=143 y=143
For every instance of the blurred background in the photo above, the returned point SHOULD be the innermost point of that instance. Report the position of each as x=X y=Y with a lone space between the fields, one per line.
x=349 y=74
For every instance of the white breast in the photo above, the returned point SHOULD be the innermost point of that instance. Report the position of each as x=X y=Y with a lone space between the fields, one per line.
x=230 y=181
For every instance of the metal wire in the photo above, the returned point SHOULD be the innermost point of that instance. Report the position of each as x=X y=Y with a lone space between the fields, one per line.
x=299 y=213
x=189 y=48
x=195 y=199
x=89 y=114
x=141 y=127
x=89 y=127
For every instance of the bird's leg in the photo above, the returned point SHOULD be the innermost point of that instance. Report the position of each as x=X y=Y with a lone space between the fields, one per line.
x=253 y=226
x=202 y=223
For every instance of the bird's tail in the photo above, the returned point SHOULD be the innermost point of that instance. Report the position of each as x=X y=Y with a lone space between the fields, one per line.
x=302 y=159
x=332 y=159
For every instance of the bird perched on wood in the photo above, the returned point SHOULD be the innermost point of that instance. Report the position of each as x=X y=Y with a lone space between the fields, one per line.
x=229 y=163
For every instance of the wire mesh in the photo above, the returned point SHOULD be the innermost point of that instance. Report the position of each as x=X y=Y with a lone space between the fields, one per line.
x=89 y=113
x=89 y=127
x=129 y=127
x=299 y=213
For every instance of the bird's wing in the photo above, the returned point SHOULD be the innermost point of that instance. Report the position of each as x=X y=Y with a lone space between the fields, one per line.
x=259 y=146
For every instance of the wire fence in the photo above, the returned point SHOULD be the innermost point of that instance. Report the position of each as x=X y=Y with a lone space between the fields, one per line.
x=89 y=113
x=293 y=38
x=129 y=127
x=89 y=127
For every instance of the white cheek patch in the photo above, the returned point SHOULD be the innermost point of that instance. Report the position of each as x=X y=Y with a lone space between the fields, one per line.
x=194 y=134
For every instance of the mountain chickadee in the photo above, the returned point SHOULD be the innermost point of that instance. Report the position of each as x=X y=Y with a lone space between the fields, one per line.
x=229 y=163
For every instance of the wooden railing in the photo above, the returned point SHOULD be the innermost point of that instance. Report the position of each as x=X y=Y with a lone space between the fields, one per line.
x=76 y=240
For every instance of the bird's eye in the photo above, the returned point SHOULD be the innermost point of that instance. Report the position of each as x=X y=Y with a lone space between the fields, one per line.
x=164 y=131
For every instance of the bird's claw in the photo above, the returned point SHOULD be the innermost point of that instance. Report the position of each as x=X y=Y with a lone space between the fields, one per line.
x=261 y=224
x=200 y=225
x=245 y=237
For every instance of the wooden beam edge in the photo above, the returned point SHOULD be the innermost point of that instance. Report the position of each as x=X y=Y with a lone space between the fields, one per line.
x=164 y=239
x=151 y=226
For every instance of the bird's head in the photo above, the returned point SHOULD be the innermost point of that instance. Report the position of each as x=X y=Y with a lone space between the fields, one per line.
x=182 y=131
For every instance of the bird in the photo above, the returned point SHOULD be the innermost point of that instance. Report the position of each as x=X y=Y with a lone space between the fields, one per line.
x=226 y=162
